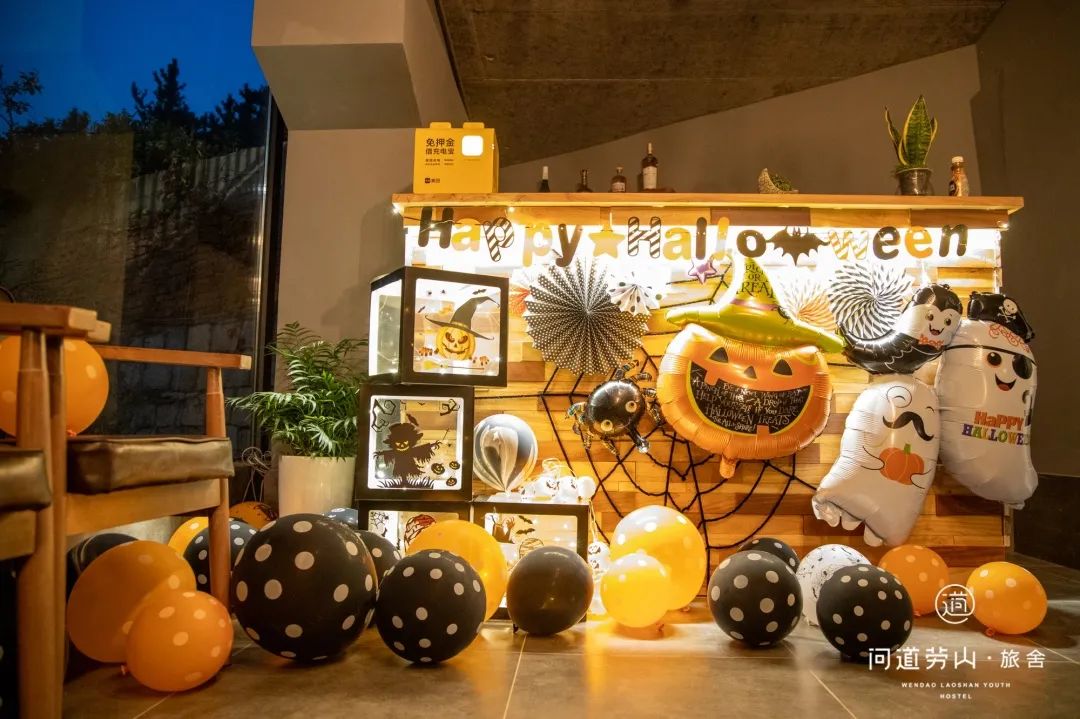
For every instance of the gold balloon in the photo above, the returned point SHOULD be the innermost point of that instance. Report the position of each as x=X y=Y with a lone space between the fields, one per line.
x=86 y=384
x=105 y=598
x=636 y=590
x=671 y=538
x=179 y=640
x=257 y=514
x=1008 y=598
x=470 y=542
x=187 y=531
x=921 y=570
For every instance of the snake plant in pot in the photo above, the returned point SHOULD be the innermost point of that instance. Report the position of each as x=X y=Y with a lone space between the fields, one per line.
x=313 y=420
x=912 y=143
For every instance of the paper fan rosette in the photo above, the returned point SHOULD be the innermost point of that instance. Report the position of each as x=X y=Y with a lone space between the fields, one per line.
x=802 y=294
x=573 y=322
x=867 y=298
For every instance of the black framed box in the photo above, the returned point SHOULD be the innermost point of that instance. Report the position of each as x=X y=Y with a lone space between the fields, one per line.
x=523 y=526
x=415 y=442
x=431 y=326
x=400 y=520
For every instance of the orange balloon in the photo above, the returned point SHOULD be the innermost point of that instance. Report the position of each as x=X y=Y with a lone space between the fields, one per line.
x=1008 y=598
x=667 y=535
x=86 y=384
x=186 y=532
x=257 y=514
x=179 y=640
x=106 y=596
x=636 y=590
x=922 y=571
x=470 y=542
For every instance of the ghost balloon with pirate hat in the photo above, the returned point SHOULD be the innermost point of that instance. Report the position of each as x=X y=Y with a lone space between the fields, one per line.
x=888 y=456
x=986 y=384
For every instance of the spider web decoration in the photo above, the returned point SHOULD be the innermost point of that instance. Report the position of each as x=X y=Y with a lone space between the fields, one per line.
x=866 y=298
x=682 y=461
x=573 y=323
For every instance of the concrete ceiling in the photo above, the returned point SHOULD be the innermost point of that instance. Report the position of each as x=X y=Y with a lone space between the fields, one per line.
x=554 y=76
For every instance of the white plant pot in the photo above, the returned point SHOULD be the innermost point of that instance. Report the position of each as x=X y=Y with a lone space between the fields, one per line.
x=314 y=485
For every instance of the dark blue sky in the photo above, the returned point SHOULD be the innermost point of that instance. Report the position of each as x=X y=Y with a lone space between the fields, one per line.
x=88 y=52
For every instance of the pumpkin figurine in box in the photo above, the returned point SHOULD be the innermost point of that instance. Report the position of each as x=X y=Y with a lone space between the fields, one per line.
x=743 y=379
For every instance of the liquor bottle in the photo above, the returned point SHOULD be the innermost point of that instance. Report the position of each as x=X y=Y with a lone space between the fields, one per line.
x=618 y=183
x=583 y=186
x=544 y=186
x=958 y=182
x=649 y=168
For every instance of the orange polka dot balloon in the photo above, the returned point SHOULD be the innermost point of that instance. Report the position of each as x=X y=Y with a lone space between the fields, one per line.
x=257 y=514
x=105 y=598
x=86 y=384
x=183 y=535
x=921 y=570
x=179 y=640
x=1008 y=598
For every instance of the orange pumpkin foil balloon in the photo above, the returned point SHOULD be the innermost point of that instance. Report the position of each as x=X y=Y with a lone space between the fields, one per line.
x=742 y=378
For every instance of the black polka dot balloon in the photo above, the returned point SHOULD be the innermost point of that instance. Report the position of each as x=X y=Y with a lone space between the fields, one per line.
x=383 y=552
x=431 y=605
x=776 y=547
x=82 y=554
x=755 y=598
x=346 y=515
x=9 y=669
x=862 y=608
x=197 y=553
x=304 y=587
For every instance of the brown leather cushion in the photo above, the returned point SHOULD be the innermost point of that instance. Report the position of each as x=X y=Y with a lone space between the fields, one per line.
x=23 y=483
x=99 y=464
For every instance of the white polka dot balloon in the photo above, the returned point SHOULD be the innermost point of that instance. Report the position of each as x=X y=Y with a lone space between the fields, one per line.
x=197 y=553
x=864 y=607
x=304 y=587
x=755 y=598
x=431 y=606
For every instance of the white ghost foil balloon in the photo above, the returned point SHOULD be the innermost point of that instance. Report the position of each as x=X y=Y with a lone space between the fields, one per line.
x=888 y=455
x=815 y=569
x=986 y=384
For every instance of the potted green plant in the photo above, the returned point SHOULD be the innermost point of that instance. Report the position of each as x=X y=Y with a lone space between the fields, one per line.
x=313 y=420
x=912 y=143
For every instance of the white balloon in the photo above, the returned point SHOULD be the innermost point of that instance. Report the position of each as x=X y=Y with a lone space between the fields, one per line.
x=986 y=383
x=816 y=567
x=504 y=451
x=888 y=456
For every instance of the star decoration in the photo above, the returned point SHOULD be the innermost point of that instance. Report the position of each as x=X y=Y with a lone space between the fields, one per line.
x=606 y=242
x=702 y=270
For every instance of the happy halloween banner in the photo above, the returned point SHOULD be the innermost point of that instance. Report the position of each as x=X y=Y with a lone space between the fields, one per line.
x=500 y=241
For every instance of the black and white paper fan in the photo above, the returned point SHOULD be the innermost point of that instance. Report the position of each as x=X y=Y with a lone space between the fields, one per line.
x=867 y=298
x=573 y=322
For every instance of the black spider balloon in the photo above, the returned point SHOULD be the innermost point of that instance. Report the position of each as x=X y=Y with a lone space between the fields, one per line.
x=614 y=409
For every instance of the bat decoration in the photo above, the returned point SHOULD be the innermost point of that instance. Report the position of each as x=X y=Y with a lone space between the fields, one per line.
x=796 y=243
x=921 y=333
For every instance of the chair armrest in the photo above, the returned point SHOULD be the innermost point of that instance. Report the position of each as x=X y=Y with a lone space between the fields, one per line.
x=185 y=358
x=51 y=319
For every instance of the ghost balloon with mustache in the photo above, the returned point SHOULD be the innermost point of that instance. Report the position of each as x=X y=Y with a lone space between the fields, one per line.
x=986 y=383
x=888 y=455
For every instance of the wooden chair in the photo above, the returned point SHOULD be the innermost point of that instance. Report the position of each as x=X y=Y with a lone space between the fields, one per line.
x=101 y=482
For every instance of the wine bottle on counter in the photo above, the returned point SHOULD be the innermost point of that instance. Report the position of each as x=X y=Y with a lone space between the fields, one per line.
x=583 y=186
x=649 y=169
x=544 y=186
x=958 y=181
x=618 y=182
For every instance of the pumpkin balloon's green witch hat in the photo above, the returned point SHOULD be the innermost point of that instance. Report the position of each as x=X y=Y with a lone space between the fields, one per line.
x=463 y=316
x=749 y=312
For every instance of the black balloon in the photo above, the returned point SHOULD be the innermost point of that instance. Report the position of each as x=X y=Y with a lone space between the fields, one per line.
x=775 y=547
x=921 y=333
x=89 y=549
x=862 y=608
x=549 y=590
x=346 y=515
x=9 y=664
x=383 y=552
x=431 y=606
x=197 y=554
x=304 y=587
x=755 y=598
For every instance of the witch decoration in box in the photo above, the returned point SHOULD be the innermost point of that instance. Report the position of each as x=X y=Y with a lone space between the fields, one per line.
x=417 y=442
x=432 y=326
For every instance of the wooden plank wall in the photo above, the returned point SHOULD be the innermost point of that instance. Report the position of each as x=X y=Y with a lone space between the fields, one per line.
x=966 y=530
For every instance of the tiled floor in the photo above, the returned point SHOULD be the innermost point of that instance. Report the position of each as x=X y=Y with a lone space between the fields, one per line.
x=597 y=670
